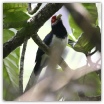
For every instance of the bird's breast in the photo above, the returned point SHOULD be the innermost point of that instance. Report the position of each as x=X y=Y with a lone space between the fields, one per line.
x=59 y=42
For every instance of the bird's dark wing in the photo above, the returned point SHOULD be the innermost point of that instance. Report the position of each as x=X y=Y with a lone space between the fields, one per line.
x=47 y=40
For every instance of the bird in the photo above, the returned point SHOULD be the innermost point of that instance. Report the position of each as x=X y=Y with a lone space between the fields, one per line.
x=57 y=36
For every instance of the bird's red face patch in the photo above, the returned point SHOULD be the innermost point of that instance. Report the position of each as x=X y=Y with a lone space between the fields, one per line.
x=53 y=19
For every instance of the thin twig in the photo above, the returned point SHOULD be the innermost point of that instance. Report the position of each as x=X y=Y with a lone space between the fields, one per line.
x=62 y=63
x=30 y=11
x=21 y=66
x=43 y=88
x=46 y=49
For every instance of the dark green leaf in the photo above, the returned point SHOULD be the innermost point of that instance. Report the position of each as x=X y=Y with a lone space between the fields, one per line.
x=10 y=70
x=15 y=19
x=12 y=7
x=10 y=76
x=7 y=34
x=83 y=44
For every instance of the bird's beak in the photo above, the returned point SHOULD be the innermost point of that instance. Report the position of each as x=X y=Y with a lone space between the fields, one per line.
x=59 y=16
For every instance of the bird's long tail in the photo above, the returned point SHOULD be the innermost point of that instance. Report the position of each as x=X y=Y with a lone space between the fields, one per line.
x=37 y=68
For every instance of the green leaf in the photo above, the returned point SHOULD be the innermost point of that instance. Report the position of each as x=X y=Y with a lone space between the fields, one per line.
x=12 y=7
x=16 y=16
x=11 y=75
x=15 y=19
x=10 y=70
x=92 y=9
x=92 y=80
x=83 y=44
x=75 y=29
x=70 y=37
x=7 y=34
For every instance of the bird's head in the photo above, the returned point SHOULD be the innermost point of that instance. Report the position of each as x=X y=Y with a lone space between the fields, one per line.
x=55 y=19
x=57 y=26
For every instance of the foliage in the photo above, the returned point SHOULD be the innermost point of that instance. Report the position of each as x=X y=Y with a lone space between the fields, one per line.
x=10 y=70
x=84 y=45
x=15 y=17
x=10 y=7
x=92 y=9
x=93 y=80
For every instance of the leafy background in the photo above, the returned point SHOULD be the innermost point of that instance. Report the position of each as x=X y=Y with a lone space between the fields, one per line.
x=15 y=15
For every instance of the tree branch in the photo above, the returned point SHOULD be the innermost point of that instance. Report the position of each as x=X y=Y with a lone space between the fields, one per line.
x=30 y=11
x=40 y=43
x=31 y=28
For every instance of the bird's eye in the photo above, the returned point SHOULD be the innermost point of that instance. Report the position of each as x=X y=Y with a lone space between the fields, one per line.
x=53 y=19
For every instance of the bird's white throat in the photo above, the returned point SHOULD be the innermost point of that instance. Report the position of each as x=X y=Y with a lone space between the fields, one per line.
x=58 y=42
